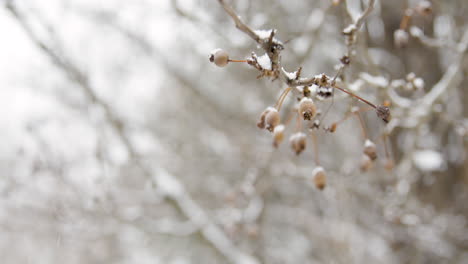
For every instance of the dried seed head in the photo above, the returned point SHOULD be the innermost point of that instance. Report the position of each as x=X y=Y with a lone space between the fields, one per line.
x=366 y=163
x=298 y=142
x=278 y=135
x=424 y=8
x=370 y=149
x=384 y=113
x=307 y=108
x=219 y=57
x=319 y=177
x=272 y=119
x=400 y=38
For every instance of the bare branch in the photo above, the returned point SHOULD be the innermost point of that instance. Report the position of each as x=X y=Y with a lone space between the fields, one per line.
x=239 y=24
x=364 y=15
x=175 y=190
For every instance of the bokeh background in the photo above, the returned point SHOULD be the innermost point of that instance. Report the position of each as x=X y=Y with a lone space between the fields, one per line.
x=122 y=143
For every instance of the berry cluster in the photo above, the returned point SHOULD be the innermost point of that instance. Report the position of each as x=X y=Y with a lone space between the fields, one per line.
x=307 y=91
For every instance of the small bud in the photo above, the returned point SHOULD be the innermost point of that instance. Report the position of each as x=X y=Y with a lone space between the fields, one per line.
x=278 y=135
x=319 y=177
x=219 y=57
x=370 y=149
x=298 y=142
x=424 y=8
x=400 y=38
x=332 y=128
x=272 y=119
x=366 y=163
x=306 y=91
x=307 y=108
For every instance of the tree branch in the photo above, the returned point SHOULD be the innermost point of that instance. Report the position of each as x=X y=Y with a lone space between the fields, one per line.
x=169 y=184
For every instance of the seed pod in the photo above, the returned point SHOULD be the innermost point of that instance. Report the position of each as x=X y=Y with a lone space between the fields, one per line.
x=400 y=38
x=298 y=142
x=307 y=108
x=366 y=163
x=272 y=119
x=370 y=149
x=319 y=177
x=278 y=135
x=219 y=57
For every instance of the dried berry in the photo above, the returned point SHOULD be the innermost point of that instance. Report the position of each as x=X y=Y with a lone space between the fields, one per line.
x=278 y=135
x=262 y=123
x=370 y=149
x=219 y=57
x=319 y=177
x=272 y=119
x=298 y=142
x=307 y=108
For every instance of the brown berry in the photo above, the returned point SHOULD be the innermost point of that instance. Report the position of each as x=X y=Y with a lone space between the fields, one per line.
x=272 y=119
x=278 y=135
x=370 y=149
x=319 y=178
x=298 y=142
x=219 y=57
x=307 y=108
x=261 y=123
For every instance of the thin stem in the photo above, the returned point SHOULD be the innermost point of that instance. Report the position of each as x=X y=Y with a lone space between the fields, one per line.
x=405 y=21
x=280 y=101
x=237 y=60
x=356 y=96
x=363 y=126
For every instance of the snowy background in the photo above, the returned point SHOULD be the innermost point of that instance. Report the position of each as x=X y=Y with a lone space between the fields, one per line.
x=122 y=143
